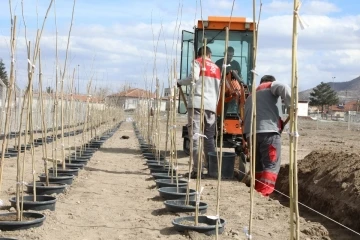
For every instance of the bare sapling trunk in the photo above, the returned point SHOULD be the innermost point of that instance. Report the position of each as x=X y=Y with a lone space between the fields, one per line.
x=8 y=102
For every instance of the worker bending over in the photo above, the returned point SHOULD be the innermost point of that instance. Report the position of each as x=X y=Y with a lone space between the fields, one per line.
x=268 y=131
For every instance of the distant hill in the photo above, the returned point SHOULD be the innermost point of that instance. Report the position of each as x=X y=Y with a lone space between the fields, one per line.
x=346 y=90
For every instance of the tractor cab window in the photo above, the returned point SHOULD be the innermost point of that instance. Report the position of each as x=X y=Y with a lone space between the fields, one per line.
x=239 y=56
x=241 y=44
x=240 y=59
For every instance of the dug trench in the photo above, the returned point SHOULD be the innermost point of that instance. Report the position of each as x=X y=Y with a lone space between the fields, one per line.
x=328 y=182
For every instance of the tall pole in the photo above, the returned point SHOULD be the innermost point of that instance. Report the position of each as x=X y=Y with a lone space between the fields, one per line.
x=293 y=146
x=78 y=91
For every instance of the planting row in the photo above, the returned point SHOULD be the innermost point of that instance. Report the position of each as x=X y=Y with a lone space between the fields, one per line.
x=55 y=181
x=13 y=152
x=178 y=196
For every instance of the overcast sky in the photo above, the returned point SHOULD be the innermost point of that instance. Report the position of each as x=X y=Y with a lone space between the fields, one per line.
x=112 y=40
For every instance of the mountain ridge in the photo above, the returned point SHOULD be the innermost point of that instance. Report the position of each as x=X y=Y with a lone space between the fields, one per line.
x=349 y=90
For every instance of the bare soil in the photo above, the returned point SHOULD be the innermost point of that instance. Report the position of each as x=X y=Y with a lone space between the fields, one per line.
x=329 y=182
x=115 y=197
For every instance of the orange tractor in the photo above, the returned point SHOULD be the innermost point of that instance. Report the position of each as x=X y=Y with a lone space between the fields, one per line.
x=237 y=81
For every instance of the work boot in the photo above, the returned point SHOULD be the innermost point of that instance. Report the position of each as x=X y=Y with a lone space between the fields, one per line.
x=247 y=180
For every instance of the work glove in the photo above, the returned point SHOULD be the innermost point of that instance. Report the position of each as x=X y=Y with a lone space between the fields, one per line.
x=281 y=125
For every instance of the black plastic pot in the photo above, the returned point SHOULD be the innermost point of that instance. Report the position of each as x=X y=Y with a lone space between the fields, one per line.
x=73 y=171
x=71 y=165
x=206 y=225
x=147 y=146
x=11 y=152
x=148 y=149
x=77 y=158
x=167 y=183
x=9 y=155
x=82 y=154
x=92 y=145
x=42 y=189
x=87 y=150
x=148 y=155
x=161 y=175
x=157 y=166
x=61 y=178
x=180 y=206
x=43 y=202
x=152 y=156
x=36 y=220
x=162 y=170
x=174 y=193
x=97 y=142
x=23 y=147
x=142 y=141
x=83 y=162
x=157 y=162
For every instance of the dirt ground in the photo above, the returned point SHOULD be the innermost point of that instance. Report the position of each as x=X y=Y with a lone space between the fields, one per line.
x=115 y=197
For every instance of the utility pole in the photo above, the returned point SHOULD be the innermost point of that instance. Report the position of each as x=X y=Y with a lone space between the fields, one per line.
x=78 y=91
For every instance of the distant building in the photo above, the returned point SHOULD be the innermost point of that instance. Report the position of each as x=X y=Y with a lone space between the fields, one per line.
x=303 y=108
x=129 y=99
x=341 y=109
x=169 y=93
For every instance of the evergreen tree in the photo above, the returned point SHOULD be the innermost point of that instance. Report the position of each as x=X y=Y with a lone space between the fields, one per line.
x=49 y=90
x=3 y=73
x=323 y=95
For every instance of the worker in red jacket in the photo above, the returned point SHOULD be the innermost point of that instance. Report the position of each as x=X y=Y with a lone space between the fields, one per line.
x=210 y=99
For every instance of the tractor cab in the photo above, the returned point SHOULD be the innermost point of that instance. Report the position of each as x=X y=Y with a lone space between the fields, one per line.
x=241 y=41
x=213 y=29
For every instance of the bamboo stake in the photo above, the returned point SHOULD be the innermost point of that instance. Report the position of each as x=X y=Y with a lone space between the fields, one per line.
x=293 y=179
x=159 y=124
x=191 y=150
x=31 y=129
x=221 y=134
x=174 y=129
x=19 y=170
x=171 y=164
x=86 y=111
x=31 y=138
x=156 y=114
x=200 y=146
x=253 y=126
x=9 y=95
x=70 y=116
x=167 y=124
x=43 y=126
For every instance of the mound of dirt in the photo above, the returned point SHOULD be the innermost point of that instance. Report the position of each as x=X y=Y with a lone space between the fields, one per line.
x=329 y=182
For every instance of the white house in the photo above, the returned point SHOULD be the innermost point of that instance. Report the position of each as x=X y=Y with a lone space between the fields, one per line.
x=303 y=108
x=129 y=99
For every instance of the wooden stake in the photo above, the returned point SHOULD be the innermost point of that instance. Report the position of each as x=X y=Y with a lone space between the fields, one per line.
x=9 y=96
x=201 y=140
x=221 y=134
x=293 y=178
x=43 y=125
x=253 y=126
